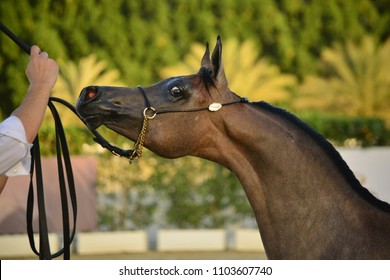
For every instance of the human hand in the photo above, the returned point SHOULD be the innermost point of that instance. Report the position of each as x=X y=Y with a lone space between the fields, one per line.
x=41 y=71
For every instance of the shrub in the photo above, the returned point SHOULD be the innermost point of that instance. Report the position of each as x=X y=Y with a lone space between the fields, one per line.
x=340 y=129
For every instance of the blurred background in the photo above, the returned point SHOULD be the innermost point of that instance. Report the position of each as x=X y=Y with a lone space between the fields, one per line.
x=326 y=61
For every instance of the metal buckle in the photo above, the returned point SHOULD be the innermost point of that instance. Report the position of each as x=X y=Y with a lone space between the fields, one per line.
x=152 y=116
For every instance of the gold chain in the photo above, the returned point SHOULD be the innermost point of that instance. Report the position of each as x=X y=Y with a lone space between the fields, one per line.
x=139 y=144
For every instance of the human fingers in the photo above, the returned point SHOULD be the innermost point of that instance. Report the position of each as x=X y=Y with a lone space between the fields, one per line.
x=44 y=54
x=35 y=50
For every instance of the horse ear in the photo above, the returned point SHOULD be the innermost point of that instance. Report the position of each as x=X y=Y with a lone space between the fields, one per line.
x=206 y=62
x=217 y=65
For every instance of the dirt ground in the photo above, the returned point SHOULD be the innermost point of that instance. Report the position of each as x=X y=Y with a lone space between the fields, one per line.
x=178 y=256
x=227 y=255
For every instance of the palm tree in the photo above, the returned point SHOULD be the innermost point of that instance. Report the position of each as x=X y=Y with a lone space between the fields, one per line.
x=355 y=80
x=248 y=75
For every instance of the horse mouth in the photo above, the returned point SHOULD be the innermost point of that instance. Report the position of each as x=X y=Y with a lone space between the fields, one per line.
x=93 y=122
x=90 y=119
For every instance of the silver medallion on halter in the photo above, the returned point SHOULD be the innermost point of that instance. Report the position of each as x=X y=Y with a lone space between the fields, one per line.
x=215 y=107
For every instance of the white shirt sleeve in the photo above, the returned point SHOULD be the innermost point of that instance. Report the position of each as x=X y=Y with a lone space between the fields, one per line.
x=15 y=158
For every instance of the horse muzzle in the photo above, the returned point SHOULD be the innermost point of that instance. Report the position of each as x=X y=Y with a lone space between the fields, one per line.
x=87 y=109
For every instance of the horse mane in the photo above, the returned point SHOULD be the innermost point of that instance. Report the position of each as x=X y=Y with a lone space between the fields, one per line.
x=331 y=152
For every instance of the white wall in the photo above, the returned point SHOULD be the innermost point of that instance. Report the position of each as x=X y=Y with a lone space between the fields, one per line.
x=372 y=167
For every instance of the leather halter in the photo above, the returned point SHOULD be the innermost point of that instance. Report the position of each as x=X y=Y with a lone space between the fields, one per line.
x=150 y=113
x=212 y=107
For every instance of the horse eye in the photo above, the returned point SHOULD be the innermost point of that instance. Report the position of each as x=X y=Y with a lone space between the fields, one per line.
x=175 y=91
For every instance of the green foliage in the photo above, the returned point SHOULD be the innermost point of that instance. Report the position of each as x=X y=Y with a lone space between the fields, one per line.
x=201 y=194
x=263 y=81
x=348 y=131
x=74 y=77
x=138 y=38
x=126 y=199
x=355 y=80
x=77 y=137
x=181 y=193
x=88 y=71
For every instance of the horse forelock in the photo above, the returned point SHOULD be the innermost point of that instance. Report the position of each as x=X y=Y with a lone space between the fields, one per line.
x=331 y=152
x=207 y=76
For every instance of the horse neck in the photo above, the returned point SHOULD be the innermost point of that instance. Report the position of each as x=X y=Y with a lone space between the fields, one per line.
x=293 y=186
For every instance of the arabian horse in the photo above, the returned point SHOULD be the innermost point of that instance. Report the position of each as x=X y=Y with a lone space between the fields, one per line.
x=306 y=201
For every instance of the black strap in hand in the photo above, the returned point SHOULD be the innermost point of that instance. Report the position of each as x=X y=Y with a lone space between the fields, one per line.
x=63 y=158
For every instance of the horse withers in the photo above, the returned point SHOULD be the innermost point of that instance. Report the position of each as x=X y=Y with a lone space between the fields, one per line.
x=307 y=202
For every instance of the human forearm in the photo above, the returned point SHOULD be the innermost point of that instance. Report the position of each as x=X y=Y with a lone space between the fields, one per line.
x=32 y=110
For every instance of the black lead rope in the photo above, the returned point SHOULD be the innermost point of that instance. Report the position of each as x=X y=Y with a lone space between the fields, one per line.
x=62 y=159
x=98 y=137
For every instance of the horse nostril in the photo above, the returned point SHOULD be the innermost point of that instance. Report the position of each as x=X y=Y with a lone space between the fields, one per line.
x=90 y=93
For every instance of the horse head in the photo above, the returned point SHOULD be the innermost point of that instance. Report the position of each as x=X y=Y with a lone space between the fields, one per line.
x=180 y=107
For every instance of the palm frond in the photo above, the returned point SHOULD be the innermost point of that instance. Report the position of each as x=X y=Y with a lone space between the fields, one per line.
x=355 y=81
x=247 y=73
